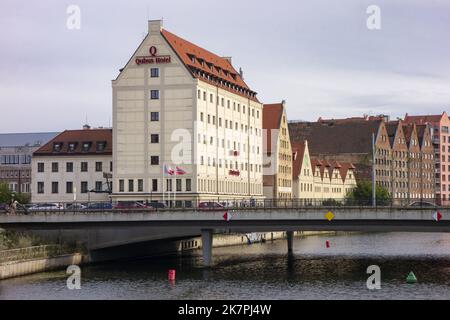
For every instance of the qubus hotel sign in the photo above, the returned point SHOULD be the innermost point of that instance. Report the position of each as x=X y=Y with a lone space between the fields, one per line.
x=153 y=58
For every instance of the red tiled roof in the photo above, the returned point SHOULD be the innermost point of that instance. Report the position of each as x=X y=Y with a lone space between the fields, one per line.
x=271 y=121
x=299 y=148
x=344 y=168
x=209 y=67
x=78 y=137
x=424 y=118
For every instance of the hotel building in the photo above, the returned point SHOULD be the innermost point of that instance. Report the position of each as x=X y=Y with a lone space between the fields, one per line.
x=185 y=124
x=74 y=166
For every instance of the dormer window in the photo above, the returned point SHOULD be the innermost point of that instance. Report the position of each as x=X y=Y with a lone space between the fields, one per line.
x=57 y=146
x=86 y=146
x=72 y=146
x=101 y=145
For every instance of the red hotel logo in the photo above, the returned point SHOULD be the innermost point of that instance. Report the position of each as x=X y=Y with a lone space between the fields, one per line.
x=153 y=58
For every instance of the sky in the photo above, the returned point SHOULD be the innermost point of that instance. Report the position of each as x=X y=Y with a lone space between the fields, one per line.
x=319 y=55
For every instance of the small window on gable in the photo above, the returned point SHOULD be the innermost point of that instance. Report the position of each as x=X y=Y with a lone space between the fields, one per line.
x=86 y=146
x=57 y=146
x=101 y=145
x=72 y=146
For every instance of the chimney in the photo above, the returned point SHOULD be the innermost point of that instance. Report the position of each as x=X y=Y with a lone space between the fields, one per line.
x=86 y=127
x=241 y=73
x=283 y=102
x=155 y=26
x=228 y=59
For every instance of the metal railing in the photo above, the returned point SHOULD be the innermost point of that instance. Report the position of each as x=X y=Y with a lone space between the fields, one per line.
x=223 y=204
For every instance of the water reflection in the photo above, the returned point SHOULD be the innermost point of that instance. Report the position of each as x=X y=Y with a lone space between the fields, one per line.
x=265 y=271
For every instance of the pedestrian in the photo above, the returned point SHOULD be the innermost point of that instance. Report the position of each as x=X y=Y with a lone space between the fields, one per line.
x=13 y=206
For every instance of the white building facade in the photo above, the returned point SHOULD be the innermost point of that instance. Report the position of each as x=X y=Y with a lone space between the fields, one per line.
x=73 y=167
x=186 y=124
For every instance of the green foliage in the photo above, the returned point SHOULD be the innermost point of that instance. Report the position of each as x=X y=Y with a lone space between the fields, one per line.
x=6 y=195
x=331 y=203
x=362 y=194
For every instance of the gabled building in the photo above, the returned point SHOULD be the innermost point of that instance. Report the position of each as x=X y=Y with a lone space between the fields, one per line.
x=400 y=170
x=186 y=124
x=277 y=151
x=317 y=180
x=76 y=165
x=440 y=135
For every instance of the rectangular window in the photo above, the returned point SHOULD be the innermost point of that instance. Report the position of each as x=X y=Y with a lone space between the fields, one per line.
x=154 y=94
x=154 y=138
x=54 y=166
x=188 y=185
x=140 y=185
x=154 y=185
x=131 y=185
x=178 y=182
x=121 y=185
x=69 y=166
x=154 y=116
x=154 y=72
x=169 y=185
x=154 y=160
x=40 y=167
x=98 y=166
x=84 y=187
x=69 y=187
x=40 y=187
x=110 y=166
x=54 y=187
x=98 y=186
x=84 y=167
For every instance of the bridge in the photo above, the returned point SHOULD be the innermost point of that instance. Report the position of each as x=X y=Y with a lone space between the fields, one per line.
x=172 y=223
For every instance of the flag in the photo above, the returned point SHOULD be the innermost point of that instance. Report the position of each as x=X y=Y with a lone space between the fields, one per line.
x=437 y=216
x=227 y=216
x=179 y=171
x=168 y=170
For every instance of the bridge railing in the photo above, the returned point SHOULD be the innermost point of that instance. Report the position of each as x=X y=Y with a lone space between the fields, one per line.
x=218 y=204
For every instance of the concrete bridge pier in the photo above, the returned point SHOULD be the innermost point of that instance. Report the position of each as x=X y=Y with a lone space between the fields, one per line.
x=290 y=240
x=207 y=238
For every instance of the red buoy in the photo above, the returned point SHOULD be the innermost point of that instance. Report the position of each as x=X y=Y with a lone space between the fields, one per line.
x=172 y=275
x=327 y=243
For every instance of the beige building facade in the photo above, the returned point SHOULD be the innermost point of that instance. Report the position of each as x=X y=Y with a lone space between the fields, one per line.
x=278 y=153
x=319 y=180
x=186 y=123
x=75 y=166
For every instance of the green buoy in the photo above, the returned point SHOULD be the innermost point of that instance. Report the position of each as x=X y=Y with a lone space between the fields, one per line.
x=411 y=278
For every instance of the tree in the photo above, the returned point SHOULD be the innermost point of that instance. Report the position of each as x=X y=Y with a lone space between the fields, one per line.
x=6 y=195
x=362 y=194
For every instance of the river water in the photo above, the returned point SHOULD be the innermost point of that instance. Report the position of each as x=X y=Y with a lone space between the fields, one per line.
x=265 y=271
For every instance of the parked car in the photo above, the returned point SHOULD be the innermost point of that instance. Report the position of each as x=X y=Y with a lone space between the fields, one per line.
x=3 y=207
x=158 y=205
x=126 y=205
x=46 y=207
x=210 y=205
x=422 y=204
x=100 y=206
x=76 y=206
